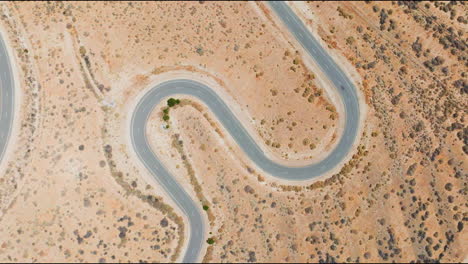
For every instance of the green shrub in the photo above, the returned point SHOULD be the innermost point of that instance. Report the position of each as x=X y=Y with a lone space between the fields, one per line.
x=171 y=102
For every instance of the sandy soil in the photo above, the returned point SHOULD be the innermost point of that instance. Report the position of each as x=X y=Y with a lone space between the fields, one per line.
x=76 y=192
x=88 y=79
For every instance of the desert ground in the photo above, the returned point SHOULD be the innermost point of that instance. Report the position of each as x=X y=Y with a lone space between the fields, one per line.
x=73 y=190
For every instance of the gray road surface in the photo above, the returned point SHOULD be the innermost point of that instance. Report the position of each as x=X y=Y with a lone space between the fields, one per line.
x=171 y=88
x=7 y=97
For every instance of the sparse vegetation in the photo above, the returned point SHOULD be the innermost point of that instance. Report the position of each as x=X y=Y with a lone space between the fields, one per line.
x=171 y=102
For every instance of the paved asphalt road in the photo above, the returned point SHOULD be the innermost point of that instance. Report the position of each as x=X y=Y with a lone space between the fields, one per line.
x=7 y=98
x=237 y=131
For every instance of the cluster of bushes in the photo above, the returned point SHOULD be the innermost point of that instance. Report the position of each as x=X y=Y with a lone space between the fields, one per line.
x=448 y=36
x=431 y=64
x=170 y=103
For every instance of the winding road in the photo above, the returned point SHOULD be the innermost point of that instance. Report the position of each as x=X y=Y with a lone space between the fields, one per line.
x=7 y=97
x=160 y=92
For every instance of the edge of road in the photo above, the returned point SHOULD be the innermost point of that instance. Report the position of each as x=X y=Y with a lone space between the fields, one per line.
x=354 y=135
x=349 y=72
x=15 y=94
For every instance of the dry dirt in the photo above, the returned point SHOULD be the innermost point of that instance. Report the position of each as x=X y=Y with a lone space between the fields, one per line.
x=73 y=190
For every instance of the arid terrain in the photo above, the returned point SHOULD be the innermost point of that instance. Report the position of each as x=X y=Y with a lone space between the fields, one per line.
x=73 y=190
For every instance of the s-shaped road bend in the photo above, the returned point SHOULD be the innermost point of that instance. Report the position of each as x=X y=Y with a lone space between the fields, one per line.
x=163 y=90
x=7 y=97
